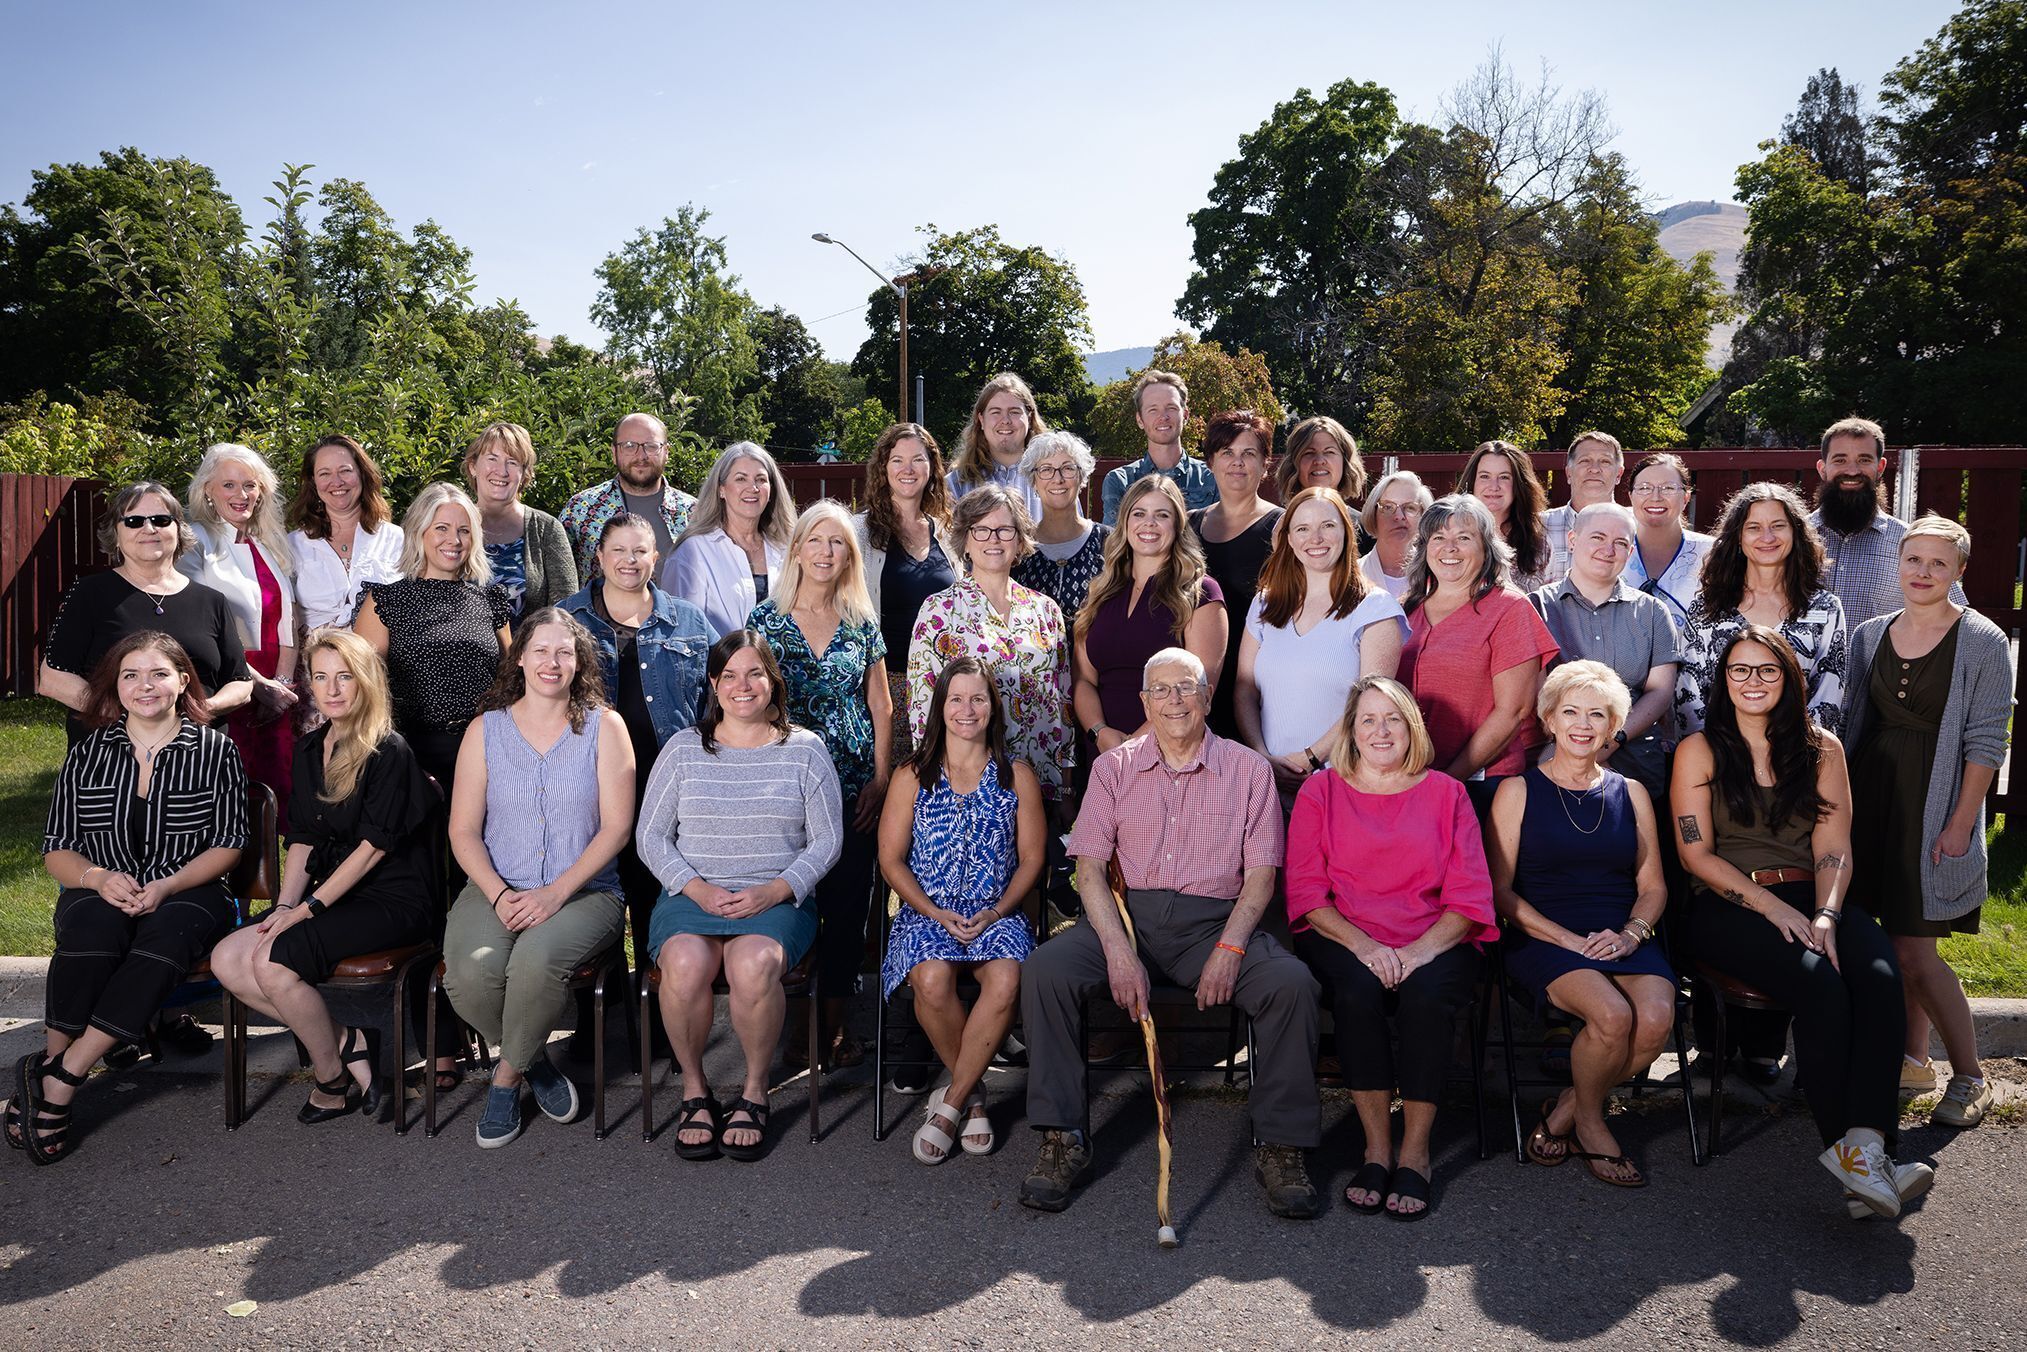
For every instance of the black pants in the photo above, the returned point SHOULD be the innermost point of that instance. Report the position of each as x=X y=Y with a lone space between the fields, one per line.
x=842 y=901
x=1849 y=1024
x=112 y=971
x=1424 y=1008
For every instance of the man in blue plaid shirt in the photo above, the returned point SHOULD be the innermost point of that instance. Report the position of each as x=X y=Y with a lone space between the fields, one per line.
x=1861 y=538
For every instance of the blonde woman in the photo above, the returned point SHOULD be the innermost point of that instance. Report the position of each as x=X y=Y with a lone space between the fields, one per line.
x=526 y=549
x=826 y=639
x=726 y=559
x=244 y=556
x=1153 y=593
x=358 y=878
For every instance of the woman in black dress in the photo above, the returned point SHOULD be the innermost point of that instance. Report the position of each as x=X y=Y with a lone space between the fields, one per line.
x=359 y=876
x=1237 y=533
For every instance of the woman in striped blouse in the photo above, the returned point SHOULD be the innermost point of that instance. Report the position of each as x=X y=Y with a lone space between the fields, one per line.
x=743 y=817
x=147 y=817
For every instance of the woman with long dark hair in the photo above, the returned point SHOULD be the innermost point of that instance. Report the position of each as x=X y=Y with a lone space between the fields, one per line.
x=961 y=843
x=902 y=540
x=1500 y=475
x=1762 y=805
x=339 y=531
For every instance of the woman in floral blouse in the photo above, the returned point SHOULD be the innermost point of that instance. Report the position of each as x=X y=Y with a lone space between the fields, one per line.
x=825 y=634
x=1017 y=631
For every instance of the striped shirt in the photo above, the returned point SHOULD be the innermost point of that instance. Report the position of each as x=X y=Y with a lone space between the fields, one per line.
x=742 y=817
x=1863 y=568
x=196 y=802
x=1195 y=830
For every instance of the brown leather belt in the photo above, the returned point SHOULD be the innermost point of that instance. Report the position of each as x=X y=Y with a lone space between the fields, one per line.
x=1767 y=877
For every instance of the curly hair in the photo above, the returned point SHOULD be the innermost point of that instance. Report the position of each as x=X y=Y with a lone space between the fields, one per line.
x=880 y=520
x=1724 y=568
x=587 y=683
x=1524 y=530
x=1794 y=742
x=1179 y=584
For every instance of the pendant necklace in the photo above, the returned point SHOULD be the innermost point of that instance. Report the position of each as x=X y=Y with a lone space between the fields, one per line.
x=1580 y=795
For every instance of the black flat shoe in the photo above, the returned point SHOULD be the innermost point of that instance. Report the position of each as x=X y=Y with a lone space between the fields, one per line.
x=352 y=1053
x=342 y=1087
x=1376 y=1179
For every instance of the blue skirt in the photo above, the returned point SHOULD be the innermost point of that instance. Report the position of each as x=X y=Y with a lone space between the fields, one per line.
x=791 y=926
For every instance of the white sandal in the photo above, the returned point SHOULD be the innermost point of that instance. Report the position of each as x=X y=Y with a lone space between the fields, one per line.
x=974 y=1128
x=932 y=1135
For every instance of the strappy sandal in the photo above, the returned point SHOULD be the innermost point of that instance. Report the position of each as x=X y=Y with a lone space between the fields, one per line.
x=1411 y=1186
x=352 y=1053
x=342 y=1087
x=1545 y=1147
x=976 y=1127
x=745 y=1154
x=931 y=1136
x=1376 y=1179
x=697 y=1114
x=46 y=1126
x=1592 y=1161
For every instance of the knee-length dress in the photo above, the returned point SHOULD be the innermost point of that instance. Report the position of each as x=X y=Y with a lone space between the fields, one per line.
x=1890 y=774
x=965 y=849
x=1578 y=864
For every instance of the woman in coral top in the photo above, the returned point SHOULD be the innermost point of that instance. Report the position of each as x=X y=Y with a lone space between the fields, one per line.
x=1389 y=897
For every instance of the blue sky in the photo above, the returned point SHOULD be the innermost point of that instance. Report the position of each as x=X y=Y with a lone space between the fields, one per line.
x=542 y=136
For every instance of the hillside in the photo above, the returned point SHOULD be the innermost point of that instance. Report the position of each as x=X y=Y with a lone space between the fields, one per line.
x=1690 y=228
x=1102 y=368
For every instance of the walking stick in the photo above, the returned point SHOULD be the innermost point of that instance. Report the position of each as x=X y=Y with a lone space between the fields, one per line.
x=1164 y=1123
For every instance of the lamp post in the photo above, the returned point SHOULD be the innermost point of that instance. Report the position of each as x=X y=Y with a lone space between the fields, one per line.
x=899 y=286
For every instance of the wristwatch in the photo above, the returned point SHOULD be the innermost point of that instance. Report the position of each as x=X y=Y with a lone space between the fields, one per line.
x=315 y=905
x=1314 y=763
x=1619 y=737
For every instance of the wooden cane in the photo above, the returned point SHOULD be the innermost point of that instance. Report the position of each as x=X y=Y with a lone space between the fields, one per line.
x=1165 y=1133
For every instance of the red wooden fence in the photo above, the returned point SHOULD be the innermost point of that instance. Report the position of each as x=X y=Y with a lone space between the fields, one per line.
x=48 y=539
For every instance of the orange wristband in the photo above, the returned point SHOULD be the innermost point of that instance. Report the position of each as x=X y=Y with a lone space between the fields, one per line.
x=1230 y=949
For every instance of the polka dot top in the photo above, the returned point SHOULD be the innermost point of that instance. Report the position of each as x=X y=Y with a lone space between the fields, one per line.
x=443 y=648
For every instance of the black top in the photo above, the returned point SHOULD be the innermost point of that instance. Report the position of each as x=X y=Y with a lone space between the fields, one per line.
x=391 y=807
x=905 y=583
x=196 y=801
x=104 y=608
x=1236 y=564
x=443 y=648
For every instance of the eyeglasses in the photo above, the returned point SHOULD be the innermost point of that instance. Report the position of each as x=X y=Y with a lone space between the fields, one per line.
x=1400 y=511
x=1055 y=471
x=640 y=447
x=1657 y=490
x=159 y=520
x=1740 y=672
x=1161 y=690
x=1003 y=534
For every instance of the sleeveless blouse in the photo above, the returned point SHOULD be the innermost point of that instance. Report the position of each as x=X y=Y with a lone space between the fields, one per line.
x=542 y=807
x=1747 y=847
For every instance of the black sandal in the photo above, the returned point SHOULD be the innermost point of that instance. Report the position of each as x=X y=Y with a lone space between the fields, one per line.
x=1409 y=1185
x=46 y=1126
x=688 y=1118
x=1372 y=1178
x=351 y=1053
x=17 y=1138
x=342 y=1087
x=1541 y=1138
x=1592 y=1161
x=746 y=1154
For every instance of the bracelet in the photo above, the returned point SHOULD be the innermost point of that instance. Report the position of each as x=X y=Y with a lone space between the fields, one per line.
x=504 y=889
x=1829 y=913
x=1640 y=928
x=1231 y=949
x=1314 y=764
x=95 y=868
x=1096 y=728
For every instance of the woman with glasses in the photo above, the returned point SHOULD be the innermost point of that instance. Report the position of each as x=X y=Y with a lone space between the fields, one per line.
x=1237 y=533
x=1390 y=517
x=1069 y=546
x=1667 y=557
x=1016 y=631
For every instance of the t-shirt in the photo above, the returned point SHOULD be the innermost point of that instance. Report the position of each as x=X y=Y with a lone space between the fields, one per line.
x=1450 y=667
x=104 y=608
x=1304 y=678
x=650 y=508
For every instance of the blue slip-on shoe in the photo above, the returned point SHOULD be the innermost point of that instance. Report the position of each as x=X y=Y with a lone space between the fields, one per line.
x=501 y=1122
x=554 y=1092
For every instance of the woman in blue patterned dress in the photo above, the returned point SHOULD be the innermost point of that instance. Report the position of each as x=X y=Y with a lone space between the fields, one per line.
x=961 y=842
x=823 y=629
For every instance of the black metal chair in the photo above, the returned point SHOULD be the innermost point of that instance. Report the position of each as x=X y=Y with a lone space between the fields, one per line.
x=1718 y=993
x=798 y=982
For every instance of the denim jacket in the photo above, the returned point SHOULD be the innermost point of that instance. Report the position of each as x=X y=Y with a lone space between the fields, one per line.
x=673 y=645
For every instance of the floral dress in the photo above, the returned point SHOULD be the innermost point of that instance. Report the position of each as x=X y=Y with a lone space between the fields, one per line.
x=1817 y=636
x=827 y=694
x=964 y=852
x=1030 y=654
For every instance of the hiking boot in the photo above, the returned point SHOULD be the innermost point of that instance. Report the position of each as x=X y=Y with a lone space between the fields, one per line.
x=1964 y=1103
x=1064 y=1164
x=1283 y=1174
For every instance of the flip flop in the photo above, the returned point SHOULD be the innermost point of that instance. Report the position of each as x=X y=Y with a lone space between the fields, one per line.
x=1410 y=1185
x=1592 y=1161
x=1541 y=1138
x=1373 y=1178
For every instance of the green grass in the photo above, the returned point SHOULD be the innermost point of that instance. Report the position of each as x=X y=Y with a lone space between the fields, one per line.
x=1994 y=960
x=31 y=749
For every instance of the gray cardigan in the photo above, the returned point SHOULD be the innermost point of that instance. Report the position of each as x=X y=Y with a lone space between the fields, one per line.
x=1973 y=729
x=552 y=569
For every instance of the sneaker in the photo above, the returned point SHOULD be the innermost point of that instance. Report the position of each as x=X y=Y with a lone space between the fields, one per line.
x=500 y=1123
x=1866 y=1174
x=915 y=1064
x=1064 y=1164
x=1909 y=1181
x=1283 y=1174
x=1759 y=1070
x=1964 y=1103
x=1012 y=1051
x=554 y=1092
x=1917 y=1077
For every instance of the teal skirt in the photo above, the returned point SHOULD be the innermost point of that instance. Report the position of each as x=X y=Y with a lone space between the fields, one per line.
x=791 y=926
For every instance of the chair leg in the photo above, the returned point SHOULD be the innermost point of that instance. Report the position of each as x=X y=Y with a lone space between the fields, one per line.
x=1232 y=1051
x=1512 y=1068
x=634 y=1032
x=879 y=1068
x=1084 y=1053
x=647 y=1070
x=231 y=1105
x=1716 y=1058
x=598 y=1055
x=429 y=1074
x=815 y=1061
x=1475 y=1030
x=401 y=1052
x=1696 y=1155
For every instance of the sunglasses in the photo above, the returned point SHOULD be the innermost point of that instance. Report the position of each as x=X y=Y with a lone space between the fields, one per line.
x=160 y=521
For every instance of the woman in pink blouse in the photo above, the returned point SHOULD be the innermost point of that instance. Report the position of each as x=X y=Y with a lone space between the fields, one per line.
x=1389 y=898
x=1476 y=649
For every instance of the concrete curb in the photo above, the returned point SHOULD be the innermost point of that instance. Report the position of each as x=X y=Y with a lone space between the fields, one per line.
x=2001 y=1023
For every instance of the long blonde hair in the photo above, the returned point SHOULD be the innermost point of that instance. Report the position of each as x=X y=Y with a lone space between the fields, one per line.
x=372 y=718
x=476 y=569
x=266 y=525
x=1179 y=584
x=854 y=604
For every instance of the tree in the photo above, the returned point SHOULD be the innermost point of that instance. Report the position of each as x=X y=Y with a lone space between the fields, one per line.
x=980 y=306
x=801 y=394
x=1827 y=124
x=1957 y=109
x=672 y=309
x=1217 y=381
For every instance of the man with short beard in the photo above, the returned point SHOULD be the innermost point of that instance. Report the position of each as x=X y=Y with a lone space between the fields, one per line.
x=1161 y=407
x=640 y=457
x=1861 y=538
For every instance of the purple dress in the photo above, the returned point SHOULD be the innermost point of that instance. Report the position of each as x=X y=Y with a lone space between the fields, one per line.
x=1120 y=642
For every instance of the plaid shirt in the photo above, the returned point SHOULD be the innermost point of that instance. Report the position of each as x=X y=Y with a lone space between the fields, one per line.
x=1864 y=568
x=1194 y=830
x=585 y=515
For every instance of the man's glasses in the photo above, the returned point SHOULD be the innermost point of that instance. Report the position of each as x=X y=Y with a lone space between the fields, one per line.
x=1161 y=690
x=640 y=447
x=159 y=520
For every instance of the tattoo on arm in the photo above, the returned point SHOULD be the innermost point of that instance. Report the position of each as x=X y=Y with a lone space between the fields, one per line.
x=1733 y=895
x=1690 y=833
x=1830 y=861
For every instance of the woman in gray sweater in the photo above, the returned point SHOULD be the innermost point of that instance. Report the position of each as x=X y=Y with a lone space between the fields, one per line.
x=742 y=818
x=1926 y=707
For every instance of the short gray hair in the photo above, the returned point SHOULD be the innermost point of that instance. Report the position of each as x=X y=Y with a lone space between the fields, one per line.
x=1619 y=511
x=1368 y=515
x=1047 y=444
x=1175 y=657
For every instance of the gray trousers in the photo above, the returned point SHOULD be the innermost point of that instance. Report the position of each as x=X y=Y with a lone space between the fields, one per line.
x=509 y=985
x=1177 y=934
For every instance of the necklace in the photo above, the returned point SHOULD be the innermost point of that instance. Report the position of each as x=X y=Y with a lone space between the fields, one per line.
x=1580 y=795
x=147 y=754
x=158 y=600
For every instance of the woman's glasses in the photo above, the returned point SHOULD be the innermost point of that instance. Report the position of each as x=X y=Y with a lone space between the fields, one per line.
x=1740 y=672
x=159 y=520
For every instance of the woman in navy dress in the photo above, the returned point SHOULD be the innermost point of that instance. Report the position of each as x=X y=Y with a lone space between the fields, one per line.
x=1576 y=874
x=962 y=842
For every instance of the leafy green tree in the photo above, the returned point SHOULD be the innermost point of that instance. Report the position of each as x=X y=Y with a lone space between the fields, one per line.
x=672 y=309
x=1957 y=109
x=801 y=394
x=1217 y=380
x=980 y=306
x=863 y=423
x=1828 y=124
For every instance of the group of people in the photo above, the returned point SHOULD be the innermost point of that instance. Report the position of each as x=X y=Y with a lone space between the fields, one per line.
x=1320 y=752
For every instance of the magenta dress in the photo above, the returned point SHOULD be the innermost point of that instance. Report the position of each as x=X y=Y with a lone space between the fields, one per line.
x=267 y=748
x=1120 y=642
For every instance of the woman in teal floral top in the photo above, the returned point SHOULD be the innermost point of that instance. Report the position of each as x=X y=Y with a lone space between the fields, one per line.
x=825 y=634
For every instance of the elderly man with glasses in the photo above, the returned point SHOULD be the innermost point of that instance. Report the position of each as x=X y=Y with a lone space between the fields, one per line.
x=640 y=457
x=1194 y=823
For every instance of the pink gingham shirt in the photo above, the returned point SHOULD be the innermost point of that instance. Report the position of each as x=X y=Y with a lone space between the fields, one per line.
x=1194 y=830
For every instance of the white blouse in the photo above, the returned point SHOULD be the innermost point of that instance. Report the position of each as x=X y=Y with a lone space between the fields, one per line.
x=714 y=575
x=224 y=562
x=326 y=589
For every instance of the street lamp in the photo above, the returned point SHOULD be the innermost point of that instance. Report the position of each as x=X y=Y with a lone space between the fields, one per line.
x=899 y=286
